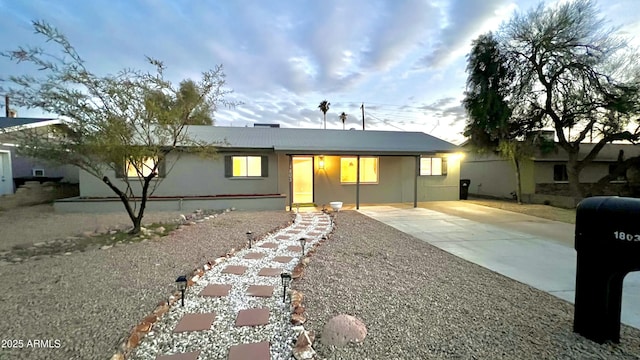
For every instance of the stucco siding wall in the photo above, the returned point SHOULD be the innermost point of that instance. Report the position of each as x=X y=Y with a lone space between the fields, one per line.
x=490 y=176
x=590 y=174
x=391 y=186
x=193 y=175
x=23 y=166
x=438 y=188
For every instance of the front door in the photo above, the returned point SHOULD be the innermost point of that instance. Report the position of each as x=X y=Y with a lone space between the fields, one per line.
x=302 y=180
x=6 y=177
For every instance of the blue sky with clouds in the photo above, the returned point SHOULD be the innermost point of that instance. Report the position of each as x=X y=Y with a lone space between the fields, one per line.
x=404 y=59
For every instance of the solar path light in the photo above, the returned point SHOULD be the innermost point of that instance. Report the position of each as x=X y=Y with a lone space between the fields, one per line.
x=286 y=279
x=250 y=238
x=303 y=241
x=181 y=285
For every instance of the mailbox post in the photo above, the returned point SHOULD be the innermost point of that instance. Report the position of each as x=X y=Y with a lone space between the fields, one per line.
x=607 y=242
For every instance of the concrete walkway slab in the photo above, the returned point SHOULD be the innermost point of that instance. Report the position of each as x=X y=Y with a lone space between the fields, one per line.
x=534 y=251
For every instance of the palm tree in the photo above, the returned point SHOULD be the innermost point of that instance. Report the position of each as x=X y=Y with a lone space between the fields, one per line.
x=343 y=117
x=324 y=107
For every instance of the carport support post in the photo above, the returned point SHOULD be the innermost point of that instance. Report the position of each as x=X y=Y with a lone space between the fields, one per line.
x=290 y=182
x=358 y=182
x=415 y=182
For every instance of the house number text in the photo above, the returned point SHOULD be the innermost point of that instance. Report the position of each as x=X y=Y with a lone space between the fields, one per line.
x=621 y=235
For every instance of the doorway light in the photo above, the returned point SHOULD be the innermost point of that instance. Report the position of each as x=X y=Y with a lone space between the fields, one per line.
x=321 y=163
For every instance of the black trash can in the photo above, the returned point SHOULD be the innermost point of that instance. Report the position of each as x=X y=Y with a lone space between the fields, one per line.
x=464 y=188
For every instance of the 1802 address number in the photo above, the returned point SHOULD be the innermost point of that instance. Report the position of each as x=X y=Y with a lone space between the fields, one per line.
x=621 y=235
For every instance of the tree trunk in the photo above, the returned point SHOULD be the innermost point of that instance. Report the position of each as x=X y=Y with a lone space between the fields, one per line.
x=125 y=201
x=573 y=174
x=516 y=163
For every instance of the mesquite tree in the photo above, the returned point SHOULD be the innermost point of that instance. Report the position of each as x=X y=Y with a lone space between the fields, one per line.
x=576 y=75
x=120 y=128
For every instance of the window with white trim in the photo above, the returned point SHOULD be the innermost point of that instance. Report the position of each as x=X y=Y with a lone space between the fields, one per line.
x=368 y=170
x=433 y=166
x=246 y=166
x=142 y=168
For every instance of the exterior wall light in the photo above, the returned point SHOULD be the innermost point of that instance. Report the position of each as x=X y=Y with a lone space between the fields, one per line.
x=286 y=279
x=181 y=285
x=321 y=163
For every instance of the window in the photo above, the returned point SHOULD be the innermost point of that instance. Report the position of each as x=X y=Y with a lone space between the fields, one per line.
x=368 y=170
x=145 y=166
x=560 y=173
x=246 y=166
x=37 y=172
x=612 y=170
x=433 y=166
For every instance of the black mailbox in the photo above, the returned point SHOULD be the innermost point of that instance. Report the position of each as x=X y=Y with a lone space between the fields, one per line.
x=608 y=247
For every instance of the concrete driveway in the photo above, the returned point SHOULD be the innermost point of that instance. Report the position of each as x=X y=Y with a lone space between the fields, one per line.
x=532 y=250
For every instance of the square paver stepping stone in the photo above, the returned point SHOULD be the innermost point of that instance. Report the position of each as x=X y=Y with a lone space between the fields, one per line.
x=282 y=259
x=314 y=233
x=283 y=237
x=294 y=248
x=260 y=290
x=253 y=317
x=182 y=356
x=234 y=269
x=269 y=245
x=254 y=256
x=254 y=351
x=195 y=322
x=216 y=290
x=270 y=272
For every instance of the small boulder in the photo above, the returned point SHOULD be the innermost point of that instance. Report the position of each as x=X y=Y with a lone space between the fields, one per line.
x=160 y=230
x=343 y=329
x=303 y=349
x=298 y=319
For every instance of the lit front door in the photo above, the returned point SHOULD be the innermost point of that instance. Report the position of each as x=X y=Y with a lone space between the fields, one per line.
x=302 y=180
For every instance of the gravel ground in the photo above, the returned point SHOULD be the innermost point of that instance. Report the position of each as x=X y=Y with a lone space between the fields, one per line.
x=419 y=302
x=18 y=225
x=88 y=302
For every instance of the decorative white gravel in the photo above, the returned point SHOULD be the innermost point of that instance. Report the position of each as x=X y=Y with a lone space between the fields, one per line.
x=214 y=343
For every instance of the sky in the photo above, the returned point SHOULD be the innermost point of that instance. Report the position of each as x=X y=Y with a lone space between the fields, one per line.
x=403 y=59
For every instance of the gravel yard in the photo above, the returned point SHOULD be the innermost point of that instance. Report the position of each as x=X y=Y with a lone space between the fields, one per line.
x=88 y=302
x=419 y=302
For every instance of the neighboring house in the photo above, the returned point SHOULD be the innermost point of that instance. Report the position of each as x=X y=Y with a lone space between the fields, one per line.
x=15 y=170
x=275 y=168
x=544 y=175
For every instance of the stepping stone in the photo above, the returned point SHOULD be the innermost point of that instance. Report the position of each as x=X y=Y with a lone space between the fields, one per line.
x=216 y=290
x=195 y=322
x=183 y=356
x=254 y=256
x=282 y=259
x=270 y=272
x=294 y=248
x=254 y=351
x=269 y=245
x=314 y=233
x=283 y=237
x=253 y=317
x=234 y=269
x=260 y=290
